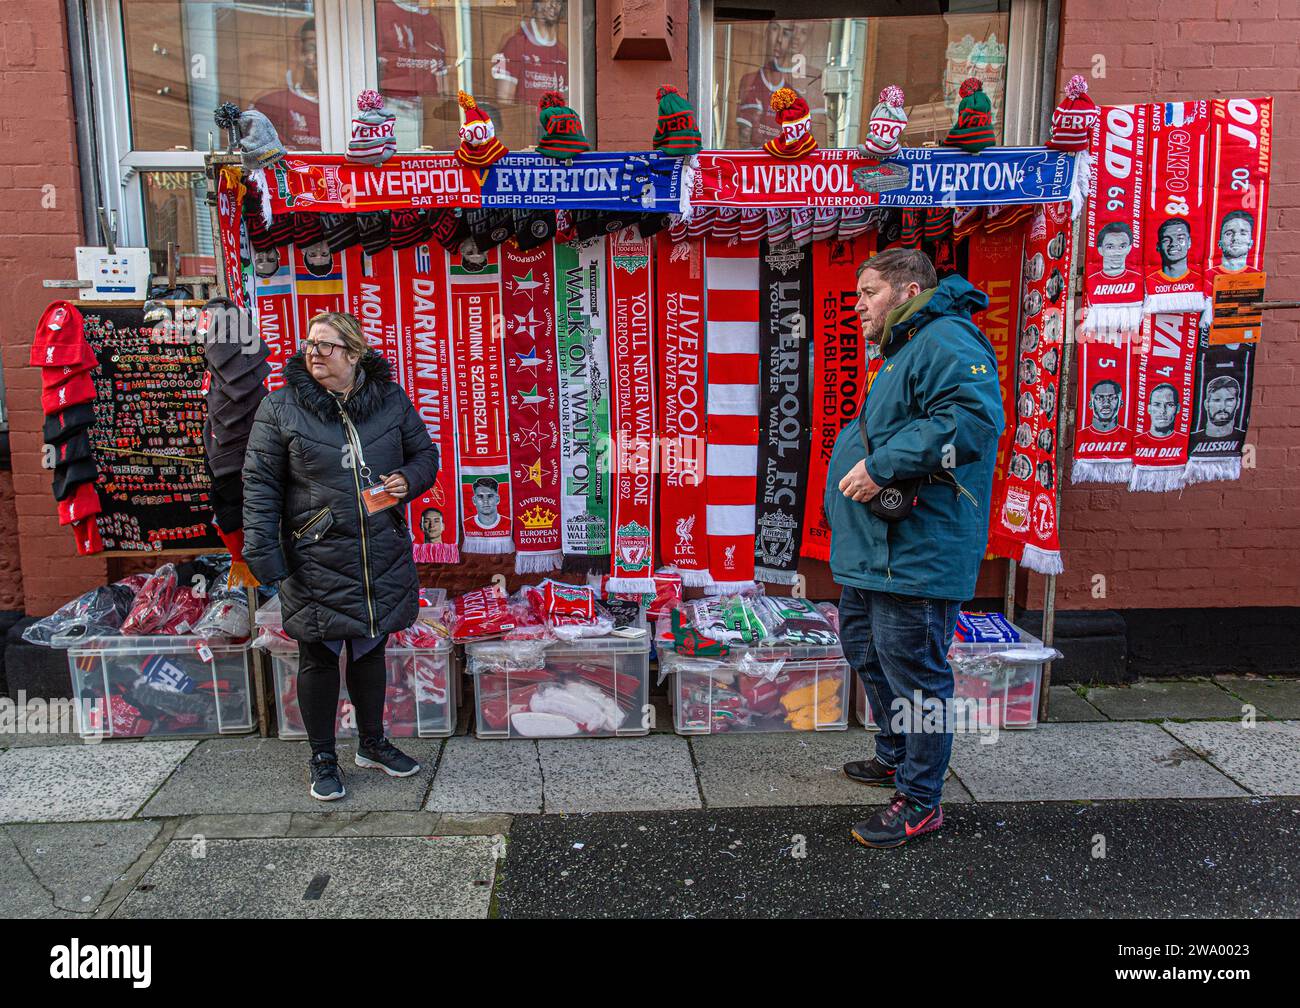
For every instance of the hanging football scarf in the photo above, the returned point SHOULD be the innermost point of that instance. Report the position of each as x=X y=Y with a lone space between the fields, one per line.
x=1113 y=284
x=230 y=202
x=481 y=404
x=731 y=455
x=370 y=293
x=1220 y=411
x=1162 y=400
x=838 y=371
x=679 y=284
x=275 y=303
x=584 y=509
x=1243 y=144
x=1176 y=204
x=995 y=260
x=785 y=313
x=1025 y=527
x=317 y=282
x=631 y=325
x=1103 y=438
x=425 y=340
x=532 y=384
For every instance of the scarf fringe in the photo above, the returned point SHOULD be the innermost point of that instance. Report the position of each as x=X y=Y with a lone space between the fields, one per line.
x=263 y=180
x=695 y=578
x=1186 y=301
x=630 y=586
x=439 y=553
x=1209 y=470
x=1080 y=183
x=771 y=575
x=1159 y=479
x=489 y=544
x=1113 y=318
x=538 y=563
x=1101 y=471
x=689 y=167
x=1042 y=561
x=729 y=587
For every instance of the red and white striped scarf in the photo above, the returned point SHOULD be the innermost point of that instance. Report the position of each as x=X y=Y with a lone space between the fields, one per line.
x=682 y=517
x=731 y=328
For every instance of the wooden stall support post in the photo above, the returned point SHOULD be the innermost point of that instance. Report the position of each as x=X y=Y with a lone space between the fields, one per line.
x=258 y=659
x=1063 y=430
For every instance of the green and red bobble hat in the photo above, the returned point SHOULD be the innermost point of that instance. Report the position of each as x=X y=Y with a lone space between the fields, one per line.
x=973 y=130
x=479 y=146
x=562 y=135
x=795 y=121
x=676 y=133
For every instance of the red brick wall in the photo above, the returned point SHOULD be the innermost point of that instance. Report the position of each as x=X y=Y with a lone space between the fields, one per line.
x=38 y=162
x=11 y=575
x=1219 y=544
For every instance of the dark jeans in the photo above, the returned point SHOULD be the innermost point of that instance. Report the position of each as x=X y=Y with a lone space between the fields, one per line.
x=318 y=691
x=898 y=645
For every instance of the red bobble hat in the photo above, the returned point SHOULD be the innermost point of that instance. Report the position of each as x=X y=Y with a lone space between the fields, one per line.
x=479 y=146
x=1073 y=118
x=795 y=120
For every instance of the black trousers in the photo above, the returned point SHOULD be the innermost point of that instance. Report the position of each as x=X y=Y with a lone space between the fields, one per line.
x=318 y=691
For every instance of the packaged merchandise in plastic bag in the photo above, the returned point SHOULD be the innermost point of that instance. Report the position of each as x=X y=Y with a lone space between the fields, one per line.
x=224 y=618
x=483 y=613
x=96 y=613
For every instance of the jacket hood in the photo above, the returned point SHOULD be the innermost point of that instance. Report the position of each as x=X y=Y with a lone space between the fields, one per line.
x=374 y=373
x=955 y=296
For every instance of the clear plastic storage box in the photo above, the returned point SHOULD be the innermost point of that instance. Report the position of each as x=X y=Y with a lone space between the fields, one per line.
x=993 y=688
x=594 y=687
x=130 y=687
x=421 y=701
x=762 y=689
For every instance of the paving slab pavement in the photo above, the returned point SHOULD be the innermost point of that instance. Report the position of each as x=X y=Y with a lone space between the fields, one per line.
x=790 y=768
x=316 y=877
x=248 y=775
x=81 y=783
x=483 y=775
x=1065 y=705
x=66 y=869
x=1071 y=762
x=1159 y=700
x=617 y=775
x=1163 y=859
x=1264 y=758
x=1275 y=698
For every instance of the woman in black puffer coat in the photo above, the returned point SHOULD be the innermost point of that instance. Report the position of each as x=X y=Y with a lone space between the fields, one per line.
x=338 y=428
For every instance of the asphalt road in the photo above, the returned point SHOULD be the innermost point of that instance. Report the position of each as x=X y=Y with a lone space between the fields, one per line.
x=1188 y=858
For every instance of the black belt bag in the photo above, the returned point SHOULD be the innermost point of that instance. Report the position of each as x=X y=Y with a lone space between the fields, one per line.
x=894 y=501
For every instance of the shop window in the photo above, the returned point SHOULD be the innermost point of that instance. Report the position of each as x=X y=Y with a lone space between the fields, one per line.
x=506 y=53
x=840 y=64
x=175 y=210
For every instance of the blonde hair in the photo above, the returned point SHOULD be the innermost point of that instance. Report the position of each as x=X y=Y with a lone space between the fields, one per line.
x=346 y=326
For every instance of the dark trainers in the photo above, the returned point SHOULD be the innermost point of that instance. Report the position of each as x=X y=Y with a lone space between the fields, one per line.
x=870 y=772
x=900 y=821
x=381 y=754
x=326 y=778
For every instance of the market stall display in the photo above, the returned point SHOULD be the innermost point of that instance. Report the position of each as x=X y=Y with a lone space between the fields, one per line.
x=997 y=675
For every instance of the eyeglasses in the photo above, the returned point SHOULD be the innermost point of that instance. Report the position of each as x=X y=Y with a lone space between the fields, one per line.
x=320 y=349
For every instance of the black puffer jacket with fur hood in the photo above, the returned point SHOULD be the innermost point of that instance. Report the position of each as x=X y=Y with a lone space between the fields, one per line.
x=342 y=573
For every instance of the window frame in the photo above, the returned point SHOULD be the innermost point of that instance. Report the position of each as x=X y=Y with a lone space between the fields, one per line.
x=345 y=34
x=1022 y=107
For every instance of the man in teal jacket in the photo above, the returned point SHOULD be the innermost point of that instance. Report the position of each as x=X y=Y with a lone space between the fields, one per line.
x=933 y=411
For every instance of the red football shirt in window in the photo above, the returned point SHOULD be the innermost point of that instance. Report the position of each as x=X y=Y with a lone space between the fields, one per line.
x=410 y=47
x=534 y=67
x=295 y=116
x=754 y=109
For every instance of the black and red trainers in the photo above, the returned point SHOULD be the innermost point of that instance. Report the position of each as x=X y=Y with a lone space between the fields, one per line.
x=871 y=772
x=898 y=822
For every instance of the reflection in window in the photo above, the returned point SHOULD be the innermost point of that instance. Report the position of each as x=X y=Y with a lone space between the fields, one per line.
x=840 y=65
x=186 y=57
x=175 y=211
x=507 y=54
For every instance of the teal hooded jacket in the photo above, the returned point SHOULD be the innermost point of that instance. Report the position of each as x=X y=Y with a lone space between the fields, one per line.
x=935 y=404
